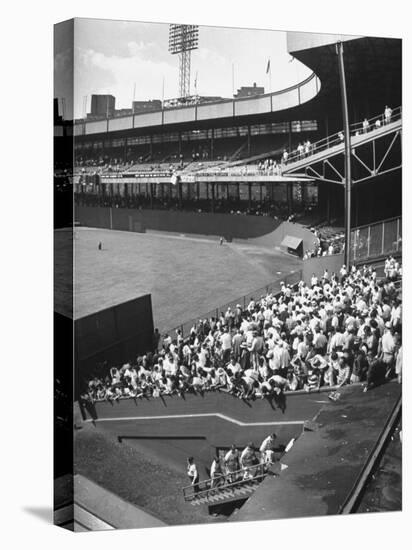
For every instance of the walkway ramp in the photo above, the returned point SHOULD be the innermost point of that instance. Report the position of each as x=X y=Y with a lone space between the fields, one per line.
x=325 y=467
x=96 y=509
x=323 y=151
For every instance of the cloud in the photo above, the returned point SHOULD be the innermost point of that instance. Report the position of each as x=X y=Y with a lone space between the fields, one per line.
x=97 y=73
x=213 y=57
x=143 y=49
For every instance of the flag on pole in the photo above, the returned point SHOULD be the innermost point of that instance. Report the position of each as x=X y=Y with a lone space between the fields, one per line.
x=268 y=66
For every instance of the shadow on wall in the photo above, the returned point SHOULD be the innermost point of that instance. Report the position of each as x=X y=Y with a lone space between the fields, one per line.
x=227 y=225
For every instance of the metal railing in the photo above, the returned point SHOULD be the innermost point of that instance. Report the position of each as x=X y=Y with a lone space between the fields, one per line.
x=377 y=239
x=291 y=279
x=356 y=129
x=211 y=487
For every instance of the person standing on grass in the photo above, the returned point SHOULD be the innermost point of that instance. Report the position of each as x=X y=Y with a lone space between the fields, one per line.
x=100 y=246
x=193 y=474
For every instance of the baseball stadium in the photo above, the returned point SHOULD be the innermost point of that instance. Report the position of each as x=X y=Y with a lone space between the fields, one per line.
x=231 y=273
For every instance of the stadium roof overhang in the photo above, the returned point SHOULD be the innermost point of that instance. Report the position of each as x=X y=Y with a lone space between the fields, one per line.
x=373 y=69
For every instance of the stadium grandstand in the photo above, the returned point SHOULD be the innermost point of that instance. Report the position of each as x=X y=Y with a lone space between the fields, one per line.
x=282 y=149
x=311 y=175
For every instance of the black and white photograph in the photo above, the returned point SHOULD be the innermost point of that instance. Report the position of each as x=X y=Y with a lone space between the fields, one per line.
x=228 y=274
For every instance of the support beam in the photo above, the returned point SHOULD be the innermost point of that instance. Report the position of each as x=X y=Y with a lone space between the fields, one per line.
x=346 y=133
x=151 y=196
x=328 y=193
x=180 y=190
x=289 y=195
x=125 y=151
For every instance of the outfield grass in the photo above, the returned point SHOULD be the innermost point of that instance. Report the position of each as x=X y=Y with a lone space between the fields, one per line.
x=185 y=276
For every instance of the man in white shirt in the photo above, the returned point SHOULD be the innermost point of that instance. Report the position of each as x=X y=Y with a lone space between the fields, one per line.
x=337 y=341
x=226 y=341
x=248 y=460
x=231 y=462
x=169 y=366
x=387 y=114
x=388 y=349
x=233 y=367
x=193 y=474
x=267 y=449
x=216 y=473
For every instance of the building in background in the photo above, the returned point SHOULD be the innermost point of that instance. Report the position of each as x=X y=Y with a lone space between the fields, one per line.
x=246 y=91
x=102 y=105
x=146 y=106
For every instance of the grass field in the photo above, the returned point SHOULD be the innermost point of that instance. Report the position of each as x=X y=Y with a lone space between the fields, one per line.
x=186 y=276
x=136 y=476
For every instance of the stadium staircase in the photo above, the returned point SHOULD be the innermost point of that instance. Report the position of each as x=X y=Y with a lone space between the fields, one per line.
x=261 y=156
x=227 y=492
x=236 y=154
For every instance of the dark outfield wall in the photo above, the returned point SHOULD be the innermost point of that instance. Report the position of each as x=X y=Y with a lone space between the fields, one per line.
x=317 y=266
x=227 y=225
x=116 y=335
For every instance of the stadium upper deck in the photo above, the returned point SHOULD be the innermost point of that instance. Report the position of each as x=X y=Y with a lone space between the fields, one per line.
x=238 y=128
x=373 y=67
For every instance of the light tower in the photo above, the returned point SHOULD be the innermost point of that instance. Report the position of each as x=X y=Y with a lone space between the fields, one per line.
x=182 y=40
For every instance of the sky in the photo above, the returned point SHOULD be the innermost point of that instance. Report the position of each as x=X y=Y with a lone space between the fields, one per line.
x=127 y=59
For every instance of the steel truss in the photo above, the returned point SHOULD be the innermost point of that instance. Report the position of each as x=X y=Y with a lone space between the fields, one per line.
x=182 y=40
x=330 y=169
x=184 y=73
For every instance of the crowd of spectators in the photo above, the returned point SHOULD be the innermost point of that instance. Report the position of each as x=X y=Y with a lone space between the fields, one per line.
x=270 y=166
x=326 y=245
x=339 y=329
